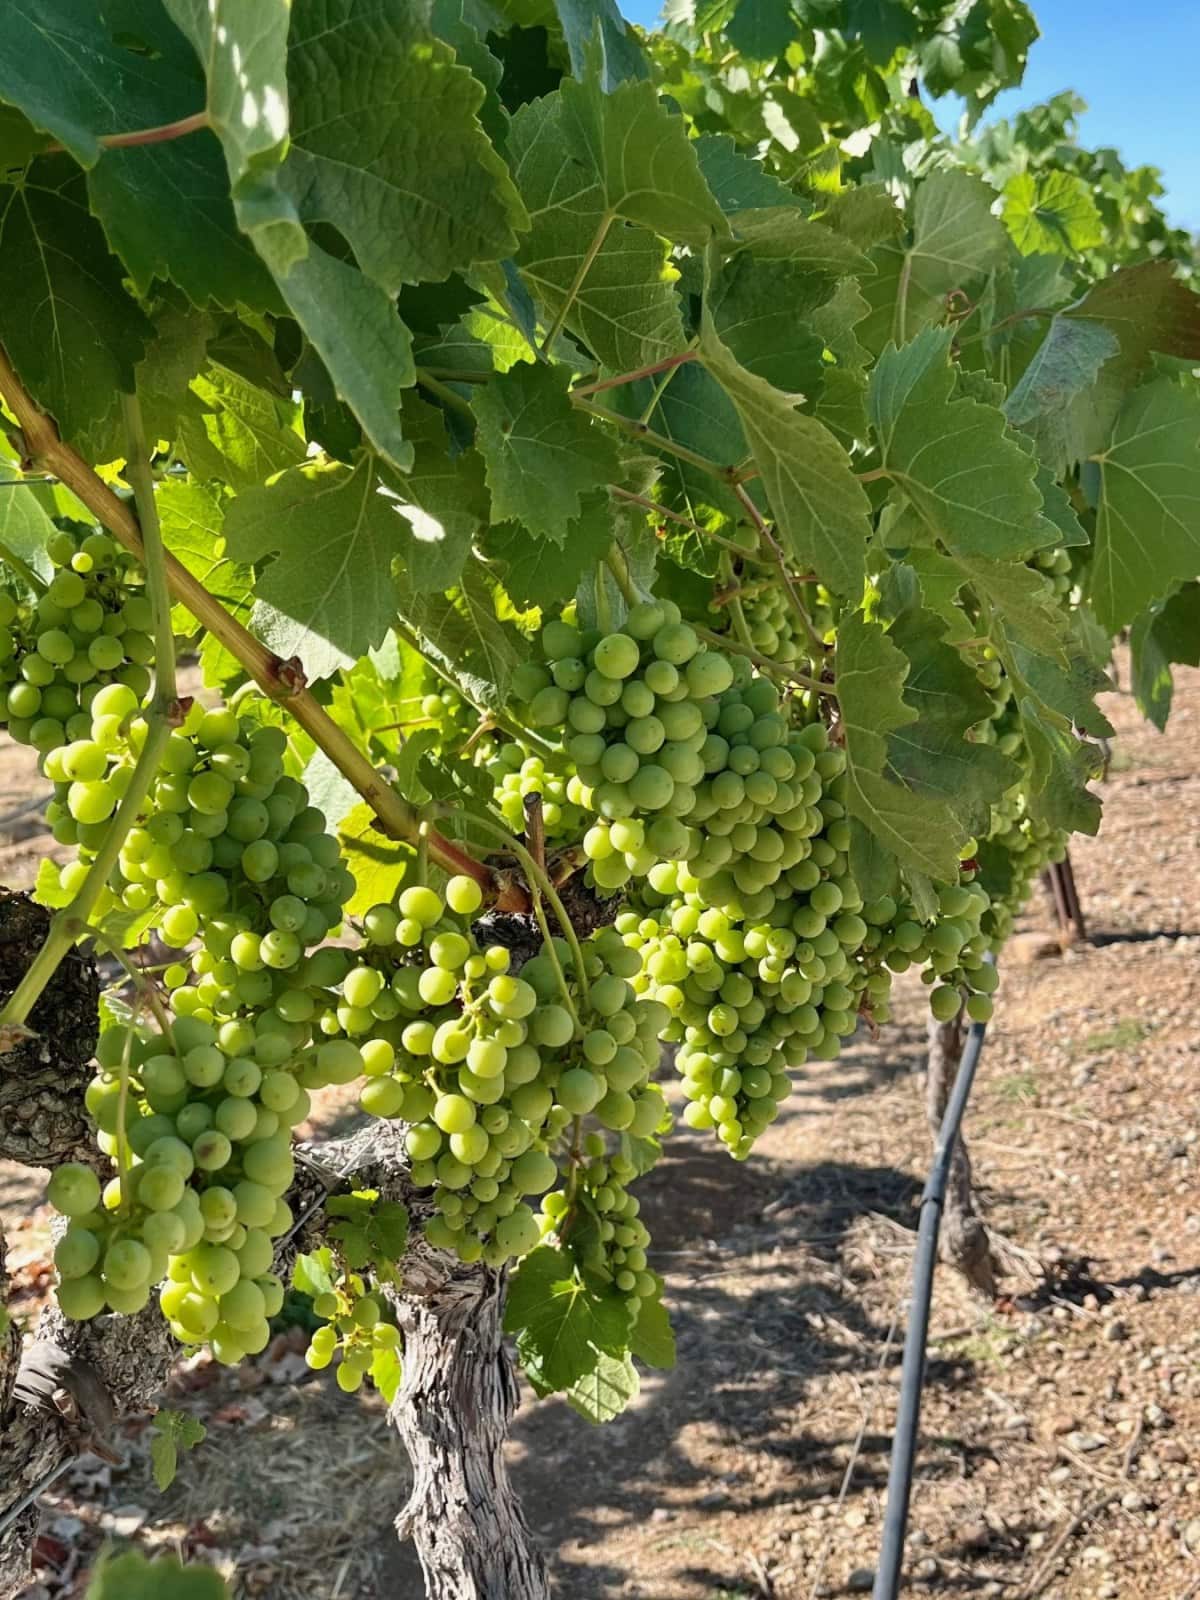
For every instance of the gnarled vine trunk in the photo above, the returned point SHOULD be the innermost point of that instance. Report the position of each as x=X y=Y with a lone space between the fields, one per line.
x=452 y=1411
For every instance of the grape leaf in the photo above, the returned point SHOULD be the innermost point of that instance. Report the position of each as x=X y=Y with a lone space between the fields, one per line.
x=561 y=1325
x=585 y=21
x=71 y=330
x=414 y=194
x=643 y=160
x=624 y=307
x=1063 y=367
x=761 y=30
x=242 y=45
x=867 y=214
x=379 y=864
x=738 y=182
x=539 y=573
x=1059 y=769
x=1051 y=213
x=760 y=311
x=694 y=411
x=132 y=1577
x=955 y=241
x=605 y=1391
x=934 y=755
x=972 y=484
x=819 y=506
x=652 y=1340
x=784 y=233
x=367 y=350
x=238 y=433
x=192 y=528
x=172 y=1431
x=1148 y=308
x=24 y=529
x=387 y=1372
x=883 y=26
x=1166 y=633
x=924 y=833
x=328 y=596
x=312 y=1274
x=1148 y=523
x=542 y=453
x=195 y=240
x=442 y=502
x=462 y=635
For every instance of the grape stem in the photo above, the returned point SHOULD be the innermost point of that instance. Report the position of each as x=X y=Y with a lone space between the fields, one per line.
x=279 y=680
x=773 y=548
x=616 y=563
x=693 y=527
x=668 y=364
x=164 y=133
x=656 y=441
x=539 y=881
x=163 y=713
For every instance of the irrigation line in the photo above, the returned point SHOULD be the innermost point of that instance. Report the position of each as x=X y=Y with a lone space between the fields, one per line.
x=912 y=1371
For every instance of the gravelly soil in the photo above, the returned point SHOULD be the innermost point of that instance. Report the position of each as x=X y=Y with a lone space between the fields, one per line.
x=1061 y=1431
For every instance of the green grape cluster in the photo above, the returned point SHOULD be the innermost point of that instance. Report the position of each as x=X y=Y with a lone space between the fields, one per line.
x=354 y=1329
x=951 y=949
x=1055 y=563
x=91 y=627
x=632 y=703
x=227 y=850
x=197 y=1125
x=749 y=1000
x=490 y=1068
x=516 y=773
x=597 y=1220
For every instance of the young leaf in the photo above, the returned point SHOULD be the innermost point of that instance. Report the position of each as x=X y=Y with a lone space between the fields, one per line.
x=1052 y=213
x=378 y=863
x=652 y=1340
x=237 y=432
x=1167 y=633
x=1148 y=524
x=191 y=518
x=605 y=1391
x=560 y=1324
x=462 y=635
x=542 y=453
x=173 y=1431
x=313 y=1274
x=132 y=1577
x=1063 y=368
x=387 y=1372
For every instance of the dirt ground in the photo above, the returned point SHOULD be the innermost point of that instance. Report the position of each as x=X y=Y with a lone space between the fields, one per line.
x=1060 y=1451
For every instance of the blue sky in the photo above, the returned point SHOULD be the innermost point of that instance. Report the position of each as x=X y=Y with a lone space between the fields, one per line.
x=1135 y=65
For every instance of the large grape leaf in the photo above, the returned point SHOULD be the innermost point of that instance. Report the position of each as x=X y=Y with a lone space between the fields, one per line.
x=820 y=508
x=624 y=307
x=1063 y=367
x=70 y=328
x=542 y=453
x=694 y=411
x=956 y=240
x=1148 y=523
x=1166 y=634
x=463 y=637
x=784 y=233
x=1060 y=766
x=971 y=483
x=586 y=21
x=25 y=527
x=540 y=573
x=923 y=832
x=328 y=595
x=561 y=1325
x=643 y=160
x=385 y=145
x=1051 y=213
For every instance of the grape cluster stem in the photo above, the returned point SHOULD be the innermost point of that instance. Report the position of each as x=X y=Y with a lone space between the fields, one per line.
x=45 y=448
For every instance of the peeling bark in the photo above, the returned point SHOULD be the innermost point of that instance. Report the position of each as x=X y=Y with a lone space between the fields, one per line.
x=42 y=1078
x=964 y=1242
x=452 y=1411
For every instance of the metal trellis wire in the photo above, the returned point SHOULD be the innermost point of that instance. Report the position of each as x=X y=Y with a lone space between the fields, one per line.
x=912 y=1371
